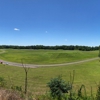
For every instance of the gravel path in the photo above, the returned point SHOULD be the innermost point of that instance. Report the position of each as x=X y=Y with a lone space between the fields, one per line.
x=49 y=65
x=36 y=66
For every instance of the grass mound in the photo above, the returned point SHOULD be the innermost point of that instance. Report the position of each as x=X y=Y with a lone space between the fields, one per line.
x=47 y=56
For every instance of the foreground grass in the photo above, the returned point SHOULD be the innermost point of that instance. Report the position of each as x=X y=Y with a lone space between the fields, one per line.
x=46 y=56
x=85 y=73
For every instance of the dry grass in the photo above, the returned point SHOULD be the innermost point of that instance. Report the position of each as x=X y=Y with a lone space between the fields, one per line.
x=9 y=95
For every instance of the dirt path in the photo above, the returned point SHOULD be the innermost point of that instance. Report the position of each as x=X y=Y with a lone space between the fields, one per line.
x=36 y=66
x=49 y=65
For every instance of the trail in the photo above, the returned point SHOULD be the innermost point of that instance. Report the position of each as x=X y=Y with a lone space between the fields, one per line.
x=36 y=66
x=49 y=65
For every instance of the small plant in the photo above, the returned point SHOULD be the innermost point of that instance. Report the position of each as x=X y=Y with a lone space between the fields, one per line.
x=2 y=82
x=17 y=88
x=81 y=94
x=71 y=94
x=98 y=93
x=58 y=87
x=26 y=69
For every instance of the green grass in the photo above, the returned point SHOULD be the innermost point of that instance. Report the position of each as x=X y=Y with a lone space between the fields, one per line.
x=1 y=50
x=46 y=56
x=85 y=73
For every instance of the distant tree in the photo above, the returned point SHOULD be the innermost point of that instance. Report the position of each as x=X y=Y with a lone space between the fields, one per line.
x=62 y=47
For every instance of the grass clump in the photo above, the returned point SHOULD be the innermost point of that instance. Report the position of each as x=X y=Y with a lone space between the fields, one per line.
x=2 y=82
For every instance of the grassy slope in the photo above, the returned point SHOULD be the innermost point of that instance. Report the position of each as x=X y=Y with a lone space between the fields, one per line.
x=46 y=56
x=86 y=73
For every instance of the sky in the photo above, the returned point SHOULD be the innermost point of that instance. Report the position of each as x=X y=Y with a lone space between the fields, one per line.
x=50 y=22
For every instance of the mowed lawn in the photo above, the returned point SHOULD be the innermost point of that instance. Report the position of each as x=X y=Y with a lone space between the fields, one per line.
x=46 y=56
x=85 y=73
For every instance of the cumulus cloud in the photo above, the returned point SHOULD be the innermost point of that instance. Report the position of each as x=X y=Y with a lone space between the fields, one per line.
x=16 y=29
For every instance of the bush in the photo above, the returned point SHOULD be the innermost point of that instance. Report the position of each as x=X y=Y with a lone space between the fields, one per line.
x=58 y=87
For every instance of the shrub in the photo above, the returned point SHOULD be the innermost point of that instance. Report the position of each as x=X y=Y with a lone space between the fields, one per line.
x=58 y=87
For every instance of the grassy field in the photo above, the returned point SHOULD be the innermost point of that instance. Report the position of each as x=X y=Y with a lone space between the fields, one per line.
x=86 y=73
x=46 y=56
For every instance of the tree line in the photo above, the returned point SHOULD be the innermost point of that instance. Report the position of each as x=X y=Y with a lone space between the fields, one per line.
x=57 y=47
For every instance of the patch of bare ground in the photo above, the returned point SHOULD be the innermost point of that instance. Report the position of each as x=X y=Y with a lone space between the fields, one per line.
x=9 y=95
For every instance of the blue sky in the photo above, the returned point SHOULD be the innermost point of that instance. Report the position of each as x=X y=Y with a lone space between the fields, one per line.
x=50 y=22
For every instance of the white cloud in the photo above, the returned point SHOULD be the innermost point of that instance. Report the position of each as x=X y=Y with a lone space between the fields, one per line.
x=16 y=29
